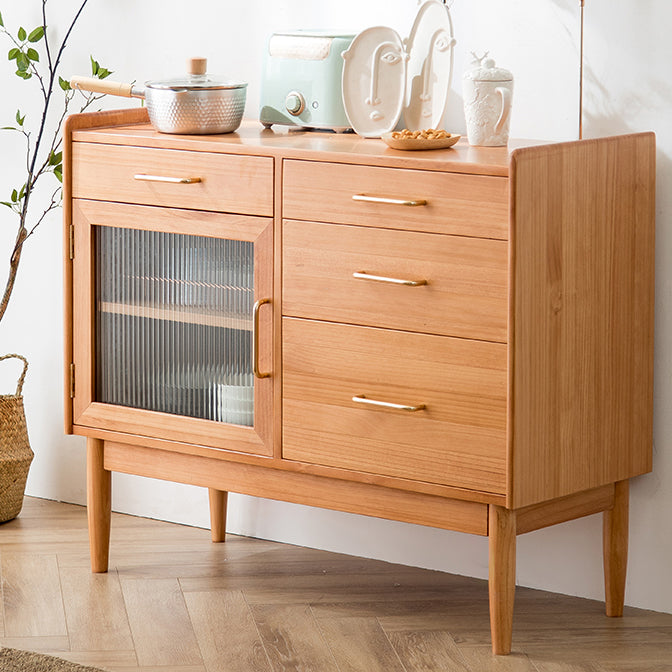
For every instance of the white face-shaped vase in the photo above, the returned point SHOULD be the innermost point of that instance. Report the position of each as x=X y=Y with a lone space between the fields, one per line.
x=488 y=92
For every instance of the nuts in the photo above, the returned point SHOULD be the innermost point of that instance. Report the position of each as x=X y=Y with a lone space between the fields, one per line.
x=427 y=134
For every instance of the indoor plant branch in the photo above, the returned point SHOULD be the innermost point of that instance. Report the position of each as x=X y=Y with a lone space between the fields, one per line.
x=43 y=156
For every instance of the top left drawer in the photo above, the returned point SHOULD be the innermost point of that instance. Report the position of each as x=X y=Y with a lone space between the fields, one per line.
x=219 y=182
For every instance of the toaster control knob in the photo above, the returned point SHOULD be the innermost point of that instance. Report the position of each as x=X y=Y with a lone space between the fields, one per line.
x=295 y=103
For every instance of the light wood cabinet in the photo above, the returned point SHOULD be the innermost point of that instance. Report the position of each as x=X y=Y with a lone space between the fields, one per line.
x=460 y=338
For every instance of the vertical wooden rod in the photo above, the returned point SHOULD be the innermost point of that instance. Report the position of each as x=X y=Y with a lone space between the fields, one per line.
x=581 y=75
x=98 y=504
x=502 y=576
x=615 y=549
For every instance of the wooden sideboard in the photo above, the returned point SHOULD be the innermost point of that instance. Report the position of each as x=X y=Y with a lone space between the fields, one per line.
x=460 y=338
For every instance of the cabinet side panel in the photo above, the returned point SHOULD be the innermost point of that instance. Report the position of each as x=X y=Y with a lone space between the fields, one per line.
x=582 y=274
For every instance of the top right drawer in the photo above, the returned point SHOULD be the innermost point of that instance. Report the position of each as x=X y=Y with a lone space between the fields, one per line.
x=396 y=198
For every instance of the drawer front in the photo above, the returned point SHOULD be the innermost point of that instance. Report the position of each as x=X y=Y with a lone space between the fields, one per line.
x=228 y=183
x=466 y=205
x=457 y=439
x=466 y=279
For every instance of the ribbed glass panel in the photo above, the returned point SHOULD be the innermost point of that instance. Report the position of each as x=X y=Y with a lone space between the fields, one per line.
x=173 y=323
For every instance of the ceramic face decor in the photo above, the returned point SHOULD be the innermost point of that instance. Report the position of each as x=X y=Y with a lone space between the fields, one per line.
x=388 y=80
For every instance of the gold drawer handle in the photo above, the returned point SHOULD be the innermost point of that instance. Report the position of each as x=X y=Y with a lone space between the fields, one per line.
x=255 y=339
x=172 y=180
x=361 y=399
x=391 y=201
x=363 y=275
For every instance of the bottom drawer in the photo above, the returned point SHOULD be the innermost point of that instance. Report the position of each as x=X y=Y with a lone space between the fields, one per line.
x=457 y=434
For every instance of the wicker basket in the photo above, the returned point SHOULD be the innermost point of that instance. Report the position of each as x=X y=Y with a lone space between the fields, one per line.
x=15 y=452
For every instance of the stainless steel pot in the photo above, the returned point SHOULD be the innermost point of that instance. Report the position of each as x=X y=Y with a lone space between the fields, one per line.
x=196 y=104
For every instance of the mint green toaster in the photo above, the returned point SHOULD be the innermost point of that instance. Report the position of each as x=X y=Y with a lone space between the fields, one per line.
x=301 y=82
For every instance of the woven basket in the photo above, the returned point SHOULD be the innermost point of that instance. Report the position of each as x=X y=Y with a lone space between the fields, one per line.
x=15 y=452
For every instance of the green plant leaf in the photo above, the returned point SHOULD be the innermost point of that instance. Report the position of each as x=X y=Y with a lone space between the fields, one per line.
x=32 y=54
x=64 y=84
x=20 y=119
x=9 y=205
x=22 y=193
x=22 y=34
x=55 y=158
x=15 y=196
x=13 y=53
x=58 y=171
x=36 y=35
x=2 y=23
x=98 y=70
x=22 y=62
x=23 y=74
x=9 y=128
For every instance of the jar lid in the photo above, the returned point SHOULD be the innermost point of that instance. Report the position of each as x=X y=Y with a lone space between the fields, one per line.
x=484 y=69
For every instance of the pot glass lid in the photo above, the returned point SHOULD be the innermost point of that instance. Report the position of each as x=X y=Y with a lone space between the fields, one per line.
x=196 y=79
x=196 y=82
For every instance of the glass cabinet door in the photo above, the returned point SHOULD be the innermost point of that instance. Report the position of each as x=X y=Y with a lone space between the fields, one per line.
x=173 y=330
x=175 y=338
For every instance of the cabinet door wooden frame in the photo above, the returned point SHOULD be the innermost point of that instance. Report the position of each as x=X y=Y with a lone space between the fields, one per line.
x=87 y=411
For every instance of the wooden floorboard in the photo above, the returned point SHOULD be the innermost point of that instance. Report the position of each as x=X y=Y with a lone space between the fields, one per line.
x=174 y=602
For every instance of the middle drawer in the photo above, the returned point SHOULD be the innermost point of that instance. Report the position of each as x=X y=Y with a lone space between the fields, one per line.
x=353 y=274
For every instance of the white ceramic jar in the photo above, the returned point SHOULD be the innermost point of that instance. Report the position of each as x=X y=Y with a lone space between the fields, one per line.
x=488 y=93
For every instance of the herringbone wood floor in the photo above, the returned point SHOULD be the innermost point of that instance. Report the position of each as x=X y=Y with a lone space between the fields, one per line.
x=175 y=602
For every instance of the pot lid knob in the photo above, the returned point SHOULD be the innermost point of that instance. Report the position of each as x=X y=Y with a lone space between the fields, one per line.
x=197 y=66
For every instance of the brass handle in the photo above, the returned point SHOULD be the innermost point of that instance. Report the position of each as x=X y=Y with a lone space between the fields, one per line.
x=363 y=275
x=255 y=339
x=361 y=399
x=414 y=202
x=171 y=180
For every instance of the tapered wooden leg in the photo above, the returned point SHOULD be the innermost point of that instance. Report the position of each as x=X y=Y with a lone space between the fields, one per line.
x=218 y=500
x=502 y=577
x=99 y=505
x=615 y=549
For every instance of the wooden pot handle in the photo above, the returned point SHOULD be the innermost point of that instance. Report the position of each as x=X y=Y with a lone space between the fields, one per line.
x=22 y=377
x=101 y=86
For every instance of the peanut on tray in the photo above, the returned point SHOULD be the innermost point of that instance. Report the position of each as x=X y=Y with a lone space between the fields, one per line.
x=427 y=134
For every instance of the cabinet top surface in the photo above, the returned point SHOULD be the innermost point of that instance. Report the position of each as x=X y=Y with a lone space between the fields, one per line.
x=122 y=128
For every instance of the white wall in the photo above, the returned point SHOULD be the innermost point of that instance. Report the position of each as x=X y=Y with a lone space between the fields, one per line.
x=627 y=89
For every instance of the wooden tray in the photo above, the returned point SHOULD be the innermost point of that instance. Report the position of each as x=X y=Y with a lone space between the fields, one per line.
x=419 y=143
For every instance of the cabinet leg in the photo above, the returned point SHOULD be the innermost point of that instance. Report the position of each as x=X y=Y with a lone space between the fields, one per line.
x=615 y=549
x=502 y=576
x=98 y=504
x=218 y=500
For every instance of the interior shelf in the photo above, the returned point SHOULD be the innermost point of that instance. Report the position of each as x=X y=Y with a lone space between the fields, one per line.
x=184 y=314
